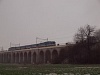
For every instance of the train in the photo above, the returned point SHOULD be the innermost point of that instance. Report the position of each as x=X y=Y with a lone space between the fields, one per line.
x=43 y=44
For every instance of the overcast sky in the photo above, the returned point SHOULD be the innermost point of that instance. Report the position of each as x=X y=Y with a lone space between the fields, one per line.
x=21 y=21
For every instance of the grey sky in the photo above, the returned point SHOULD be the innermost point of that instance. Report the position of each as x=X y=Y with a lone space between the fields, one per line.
x=21 y=21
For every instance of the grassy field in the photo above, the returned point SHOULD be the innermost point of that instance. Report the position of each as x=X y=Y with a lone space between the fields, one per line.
x=8 y=69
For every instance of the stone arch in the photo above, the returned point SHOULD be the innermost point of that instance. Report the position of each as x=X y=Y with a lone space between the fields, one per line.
x=29 y=57
x=41 y=57
x=17 y=58
x=47 y=56
x=13 y=56
x=5 y=57
x=21 y=57
x=9 y=58
x=25 y=57
x=62 y=52
x=0 y=58
x=34 y=57
x=54 y=56
x=63 y=56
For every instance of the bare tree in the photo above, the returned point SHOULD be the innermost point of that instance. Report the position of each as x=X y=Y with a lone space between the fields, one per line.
x=87 y=50
x=84 y=37
x=79 y=36
x=84 y=34
x=97 y=36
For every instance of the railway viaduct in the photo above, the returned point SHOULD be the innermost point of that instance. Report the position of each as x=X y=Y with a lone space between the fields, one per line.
x=41 y=55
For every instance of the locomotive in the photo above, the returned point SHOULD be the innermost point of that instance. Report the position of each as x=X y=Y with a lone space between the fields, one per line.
x=44 y=44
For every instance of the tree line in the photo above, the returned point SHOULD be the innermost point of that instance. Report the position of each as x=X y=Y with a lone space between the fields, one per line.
x=86 y=49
